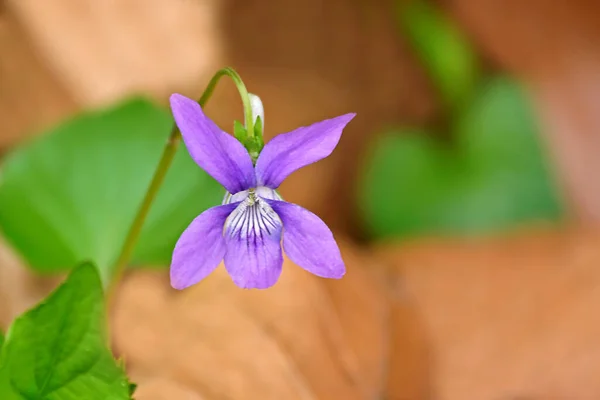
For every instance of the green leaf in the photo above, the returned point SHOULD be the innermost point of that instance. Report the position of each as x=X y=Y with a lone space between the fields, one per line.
x=1 y=340
x=57 y=350
x=444 y=51
x=495 y=179
x=6 y=390
x=70 y=195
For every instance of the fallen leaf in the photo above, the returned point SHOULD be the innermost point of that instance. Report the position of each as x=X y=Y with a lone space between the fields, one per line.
x=506 y=318
x=165 y=389
x=32 y=97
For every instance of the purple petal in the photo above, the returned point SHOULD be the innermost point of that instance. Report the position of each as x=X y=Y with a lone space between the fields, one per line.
x=253 y=238
x=200 y=248
x=290 y=151
x=308 y=242
x=221 y=155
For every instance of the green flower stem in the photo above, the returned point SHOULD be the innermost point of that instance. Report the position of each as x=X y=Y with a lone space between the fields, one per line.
x=161 y=171
x=241 y=89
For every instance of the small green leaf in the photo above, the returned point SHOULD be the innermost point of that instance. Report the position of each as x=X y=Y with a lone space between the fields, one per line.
x=495 y=178
x=239 y=131
x=444 y=51
x=57 y=350
x=71 y=195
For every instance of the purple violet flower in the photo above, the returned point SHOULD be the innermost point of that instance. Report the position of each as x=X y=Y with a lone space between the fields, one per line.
x=247 y=230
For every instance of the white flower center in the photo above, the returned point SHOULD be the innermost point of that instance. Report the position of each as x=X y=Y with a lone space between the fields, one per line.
x=253 y=216
x=252 y=195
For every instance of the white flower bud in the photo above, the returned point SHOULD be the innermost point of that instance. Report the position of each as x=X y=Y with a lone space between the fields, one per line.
x=257 y=110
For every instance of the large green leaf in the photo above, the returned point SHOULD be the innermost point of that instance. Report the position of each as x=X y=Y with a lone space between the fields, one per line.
x=58 y=351
x=494 y=178
x=71 y=194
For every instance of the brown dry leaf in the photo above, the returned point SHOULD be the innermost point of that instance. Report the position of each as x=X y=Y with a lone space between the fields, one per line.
x=20 y=288
x=507 y=318
x=104 y=50
x=409 y=354
x=162 y=388
x=306 y=338
x=57 y=57
x=31 y=97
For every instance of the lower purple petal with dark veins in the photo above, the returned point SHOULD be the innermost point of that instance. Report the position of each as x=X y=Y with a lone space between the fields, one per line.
x=253 y=238
x=308 y=242
x=200 y=248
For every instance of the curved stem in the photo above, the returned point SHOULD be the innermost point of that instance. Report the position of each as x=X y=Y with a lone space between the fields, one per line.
x=161 y=171
x=235 y=77
x=136 y=227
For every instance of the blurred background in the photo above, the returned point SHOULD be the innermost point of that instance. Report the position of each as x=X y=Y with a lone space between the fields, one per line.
x=464 y=194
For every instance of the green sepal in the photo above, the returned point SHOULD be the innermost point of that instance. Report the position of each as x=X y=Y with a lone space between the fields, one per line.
x=258 y=133
x=240 y=132
x=253 y=144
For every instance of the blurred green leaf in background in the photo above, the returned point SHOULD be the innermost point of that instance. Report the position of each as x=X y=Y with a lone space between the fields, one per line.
x=448 y=57
x=58 y=350
x=495 y=177
x=492 y=176
x=72 y=193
